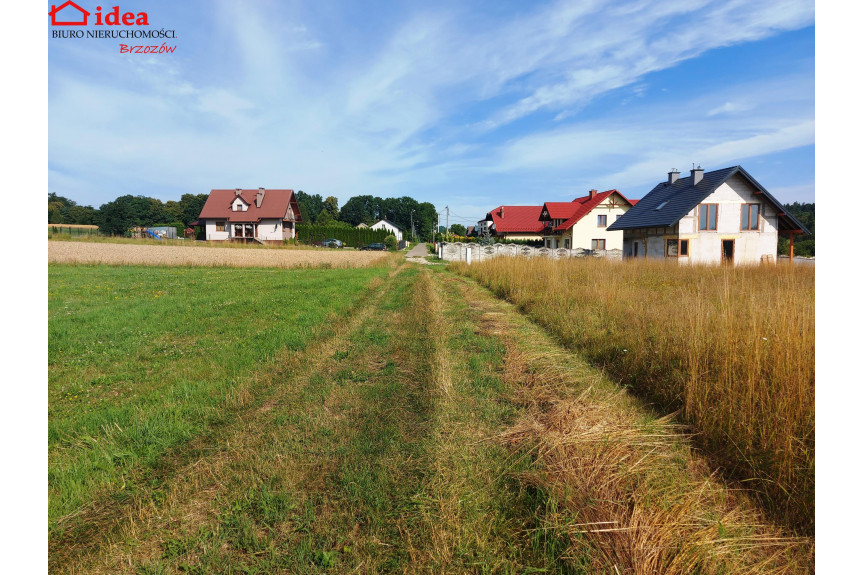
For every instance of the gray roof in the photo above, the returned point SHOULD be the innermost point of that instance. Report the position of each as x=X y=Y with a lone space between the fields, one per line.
x=681 y=197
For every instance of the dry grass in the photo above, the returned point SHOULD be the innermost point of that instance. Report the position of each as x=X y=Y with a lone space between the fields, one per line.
x=129 y=254
x=732 y=348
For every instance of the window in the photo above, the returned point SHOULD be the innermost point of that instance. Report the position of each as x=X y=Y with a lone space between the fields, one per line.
x=602 y=221
x=749 y=216
x=597 y=245
x=566 y=243
x=707 y=216
x=220 y=226
x=676 y=248
x=671 y=248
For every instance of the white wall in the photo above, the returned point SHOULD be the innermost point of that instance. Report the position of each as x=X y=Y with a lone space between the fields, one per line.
x=586 y=230
x=212 y=234
x=391 y=229
x=270 y=229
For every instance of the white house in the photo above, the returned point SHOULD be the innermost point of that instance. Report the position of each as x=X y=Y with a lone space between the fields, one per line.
x=583 y=222
x=390 y=227
x=707 y=218
x=266 y=216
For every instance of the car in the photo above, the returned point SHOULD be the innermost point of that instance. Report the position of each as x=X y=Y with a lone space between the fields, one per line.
x=374 y=247
x=332 y=243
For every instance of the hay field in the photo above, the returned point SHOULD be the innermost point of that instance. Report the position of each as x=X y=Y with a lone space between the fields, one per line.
x=125 y=254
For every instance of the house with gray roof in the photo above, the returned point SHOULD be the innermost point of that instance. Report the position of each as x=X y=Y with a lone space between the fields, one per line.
x=723 y=216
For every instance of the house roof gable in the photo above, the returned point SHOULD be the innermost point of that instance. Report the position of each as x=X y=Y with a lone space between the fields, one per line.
x=514 y=219
x=667 y=203
x=585 y=205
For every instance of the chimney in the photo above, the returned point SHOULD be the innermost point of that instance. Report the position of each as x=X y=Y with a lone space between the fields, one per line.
x=697 y=175
x=238 y=191
x=673 y=175
x=591 y=194
x=259 y=197
x=501 y=211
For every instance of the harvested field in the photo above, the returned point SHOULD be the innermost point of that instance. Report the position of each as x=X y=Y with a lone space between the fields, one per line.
x=105 y=253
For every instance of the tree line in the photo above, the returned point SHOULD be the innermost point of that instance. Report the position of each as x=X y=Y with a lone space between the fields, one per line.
x=803 y=245
x=125 y=212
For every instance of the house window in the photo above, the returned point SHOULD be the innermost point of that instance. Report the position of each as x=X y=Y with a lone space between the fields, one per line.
x=671 y=248
x=566 y=243
x=707 y=216
x=597 y=245
x=220 y=226
x=676 y=248
x=749 y=216
x=601 y=221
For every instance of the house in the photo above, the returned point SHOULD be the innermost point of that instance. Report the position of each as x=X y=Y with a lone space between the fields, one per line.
x=70 y=12
x=390 y=227
x=516 y=222
x=484 y=226
x=707 y=218
x=470 y=231
x=266 y=216
x=361 y=226
x=583 y=222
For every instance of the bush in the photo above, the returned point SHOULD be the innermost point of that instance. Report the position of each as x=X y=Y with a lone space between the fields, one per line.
x=391 y=242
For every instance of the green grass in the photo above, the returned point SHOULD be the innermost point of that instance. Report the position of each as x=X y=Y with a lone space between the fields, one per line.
x=143 y=359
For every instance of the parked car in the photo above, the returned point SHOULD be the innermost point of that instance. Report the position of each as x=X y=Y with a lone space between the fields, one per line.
x=332 y=243
x=374 y=247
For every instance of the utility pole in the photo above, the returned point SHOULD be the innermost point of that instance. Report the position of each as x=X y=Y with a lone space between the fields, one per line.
x=413 y=232
x=447 y=219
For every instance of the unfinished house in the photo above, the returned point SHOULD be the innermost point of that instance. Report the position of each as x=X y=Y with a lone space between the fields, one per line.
x=724 y=216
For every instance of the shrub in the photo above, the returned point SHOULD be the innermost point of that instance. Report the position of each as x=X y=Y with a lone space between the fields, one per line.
x=391 y=242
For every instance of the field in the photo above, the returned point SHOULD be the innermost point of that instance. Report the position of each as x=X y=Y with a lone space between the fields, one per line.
x=732 y=348
x=391 y=418
x=142 y=252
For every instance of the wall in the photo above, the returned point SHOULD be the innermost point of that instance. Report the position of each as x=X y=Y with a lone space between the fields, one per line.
x=586 y=230
x=212 y=234
x=458 y=252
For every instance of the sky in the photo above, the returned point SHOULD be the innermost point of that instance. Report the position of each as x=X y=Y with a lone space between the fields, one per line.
x=465 y=105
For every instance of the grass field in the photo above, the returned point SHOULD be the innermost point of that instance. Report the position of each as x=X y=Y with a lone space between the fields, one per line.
x=396 y=418
x=733 y=348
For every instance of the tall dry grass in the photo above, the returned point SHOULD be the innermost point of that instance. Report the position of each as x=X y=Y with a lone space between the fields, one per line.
x=733 y=348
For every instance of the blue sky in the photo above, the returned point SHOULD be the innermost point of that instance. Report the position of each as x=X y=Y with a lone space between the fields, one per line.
x=466 y=106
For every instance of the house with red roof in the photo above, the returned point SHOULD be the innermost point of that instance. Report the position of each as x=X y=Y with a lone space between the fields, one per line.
x=515 y=222
x=262 y=215
x=583 y=223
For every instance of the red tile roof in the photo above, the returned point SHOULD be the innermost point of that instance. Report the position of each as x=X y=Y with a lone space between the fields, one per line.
x=274 y=205
x=517 y=219
x=583 y=206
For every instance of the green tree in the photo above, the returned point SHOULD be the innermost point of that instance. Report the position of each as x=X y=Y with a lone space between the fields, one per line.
x=310 y=206
x=331 y=205
x=391 y=242
x=803 y=245
x=458 y=229
x=192 y=205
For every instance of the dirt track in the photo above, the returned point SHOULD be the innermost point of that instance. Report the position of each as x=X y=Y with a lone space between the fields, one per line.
x=106 y=253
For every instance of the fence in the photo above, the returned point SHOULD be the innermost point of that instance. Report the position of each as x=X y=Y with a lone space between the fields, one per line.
x=474 y=252
x=73 y=229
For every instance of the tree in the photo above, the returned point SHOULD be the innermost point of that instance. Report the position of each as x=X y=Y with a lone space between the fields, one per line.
x=331 y=205
x=192 y=205
x=458 y=229
x=803 y=245
x=391 y=242
x=360 y=210
x=325 y=218
x=310 y=206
